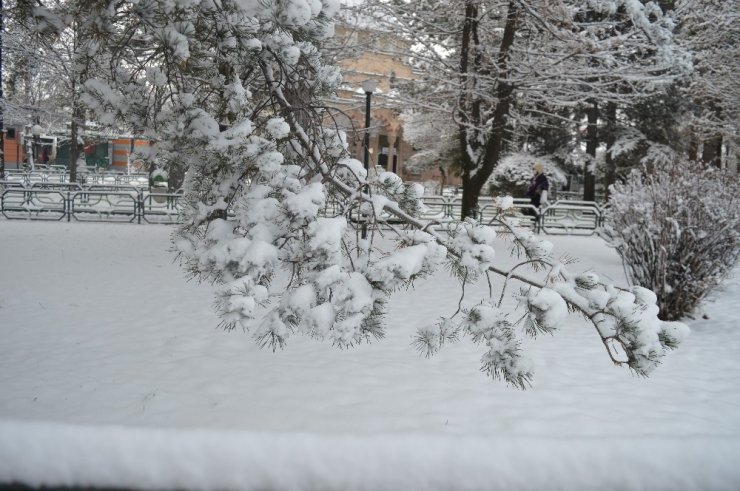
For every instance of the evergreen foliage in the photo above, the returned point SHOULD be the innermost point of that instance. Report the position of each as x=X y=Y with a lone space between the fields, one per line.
x=275 y=209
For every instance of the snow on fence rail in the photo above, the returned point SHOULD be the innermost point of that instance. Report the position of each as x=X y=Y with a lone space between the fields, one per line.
x=124 y=203
x=27 y=178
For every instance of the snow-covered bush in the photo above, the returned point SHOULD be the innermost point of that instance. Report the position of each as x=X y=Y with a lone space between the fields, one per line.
x=513 y=174
x=677 y=228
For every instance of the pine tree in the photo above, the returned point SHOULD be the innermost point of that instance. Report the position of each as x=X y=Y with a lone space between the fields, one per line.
x=274 y=204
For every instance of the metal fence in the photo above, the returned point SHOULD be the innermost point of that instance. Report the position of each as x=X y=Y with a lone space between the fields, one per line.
x=563 y=217
x=124 y=203
x=90 y=204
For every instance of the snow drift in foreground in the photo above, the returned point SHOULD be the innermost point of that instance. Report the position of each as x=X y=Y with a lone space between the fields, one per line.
x=112 y=373
x=193 y=459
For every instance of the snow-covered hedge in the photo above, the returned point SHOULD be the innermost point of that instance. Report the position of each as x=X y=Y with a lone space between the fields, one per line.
x=677 y=229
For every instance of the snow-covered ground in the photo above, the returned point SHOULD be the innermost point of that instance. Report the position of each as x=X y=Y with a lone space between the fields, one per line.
x=113 y=372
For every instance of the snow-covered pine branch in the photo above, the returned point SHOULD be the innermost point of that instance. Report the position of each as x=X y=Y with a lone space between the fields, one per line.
x=228 y=92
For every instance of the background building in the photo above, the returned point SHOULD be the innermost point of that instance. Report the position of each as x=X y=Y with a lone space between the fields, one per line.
x=100 y=151
x=371 y=54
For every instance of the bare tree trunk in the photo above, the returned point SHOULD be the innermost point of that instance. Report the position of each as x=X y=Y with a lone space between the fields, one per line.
x=78 y=118
x=467 y=121
x=589 y=180
x=2 y=103
x=74 y=151
x=712 y=152
x=470 y=196
x=611 y=138
x=36 y=148
x=693 y=147
x=442 y=179
x=473 y=182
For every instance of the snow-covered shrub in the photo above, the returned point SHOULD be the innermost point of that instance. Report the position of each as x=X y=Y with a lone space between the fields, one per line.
x=677 y=229
x=513 y=174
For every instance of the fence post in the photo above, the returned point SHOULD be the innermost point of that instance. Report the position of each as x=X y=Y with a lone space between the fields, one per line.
x=68 y=206
x=140 y=205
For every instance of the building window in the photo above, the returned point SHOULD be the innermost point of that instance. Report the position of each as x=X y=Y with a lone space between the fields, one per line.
x=10 y=134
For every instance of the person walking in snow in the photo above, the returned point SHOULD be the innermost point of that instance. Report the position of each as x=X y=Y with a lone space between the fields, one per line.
x=538 y=186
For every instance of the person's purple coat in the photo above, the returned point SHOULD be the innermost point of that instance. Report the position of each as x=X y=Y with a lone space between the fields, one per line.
x=538 y=184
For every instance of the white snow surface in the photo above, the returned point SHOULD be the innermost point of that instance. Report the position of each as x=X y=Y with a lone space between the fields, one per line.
x=113 y=372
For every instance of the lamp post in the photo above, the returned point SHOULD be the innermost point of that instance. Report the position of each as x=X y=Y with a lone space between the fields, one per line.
x=369 y=87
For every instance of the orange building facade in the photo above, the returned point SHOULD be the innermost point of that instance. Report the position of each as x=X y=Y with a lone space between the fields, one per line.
x=13 y=146
x=112 y=154
x=379 y=59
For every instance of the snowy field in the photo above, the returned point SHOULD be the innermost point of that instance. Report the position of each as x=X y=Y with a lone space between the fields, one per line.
x=113 y=373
